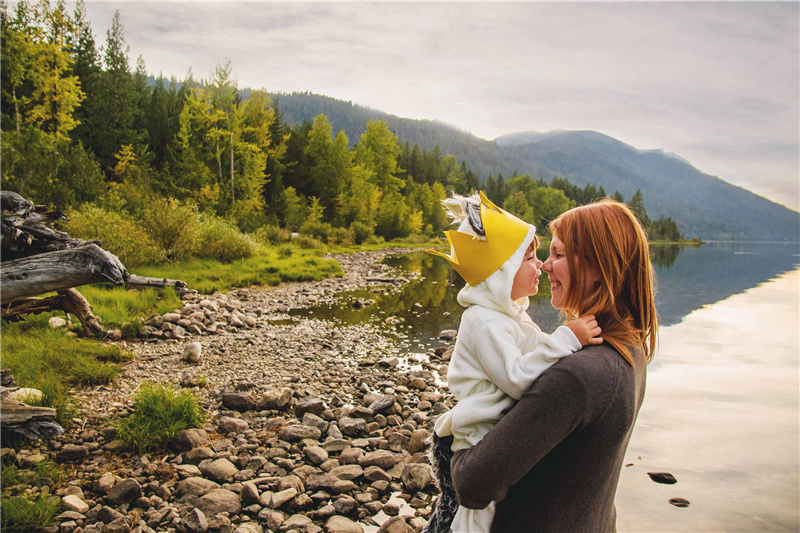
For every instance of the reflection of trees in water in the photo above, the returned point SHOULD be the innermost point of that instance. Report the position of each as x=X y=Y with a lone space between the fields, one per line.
x=664 y=256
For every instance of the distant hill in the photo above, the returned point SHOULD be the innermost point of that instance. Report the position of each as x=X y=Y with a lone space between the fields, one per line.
x=704 y=206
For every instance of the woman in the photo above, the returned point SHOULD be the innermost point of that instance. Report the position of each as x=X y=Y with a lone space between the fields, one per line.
x=553 y=462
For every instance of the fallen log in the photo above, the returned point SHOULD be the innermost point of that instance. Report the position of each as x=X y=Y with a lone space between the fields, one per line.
x=60 y=270
x=140 y=282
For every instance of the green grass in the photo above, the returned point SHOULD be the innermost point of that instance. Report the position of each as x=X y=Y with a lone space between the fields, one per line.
x=120 y=308
x=159 y=414
x=21 y=513
x=277 y=265
x=48 y=360
x=12 y=475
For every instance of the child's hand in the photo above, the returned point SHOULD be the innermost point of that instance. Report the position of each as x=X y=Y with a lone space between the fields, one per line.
x=586 y=329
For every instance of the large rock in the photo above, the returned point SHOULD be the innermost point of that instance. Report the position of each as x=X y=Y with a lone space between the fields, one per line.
x=125 y=492
x=382 y=403
x=299 y=432
x=191 y=352
x=309 y=404
x=190 y=438
x=396 y=524
x=275 y=398
x=416 y=476
x=340 y=524
x=73 y=503
x=315 y=454
x=220 y=470
x=249 y=527
x=323 y=481
x=348 y=472
x=195 y=521
x=219 y=501
x=381 y=458
x=228 y=424
x=353 y=427
x=71 y=452
x=197 y=486
x=239 y=401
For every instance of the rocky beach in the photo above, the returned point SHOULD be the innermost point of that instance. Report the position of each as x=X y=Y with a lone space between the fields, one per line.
x=311 y=425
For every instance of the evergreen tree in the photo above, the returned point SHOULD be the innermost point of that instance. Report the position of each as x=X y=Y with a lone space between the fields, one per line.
x=637 y=206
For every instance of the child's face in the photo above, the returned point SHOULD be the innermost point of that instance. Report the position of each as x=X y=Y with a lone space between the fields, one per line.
x=526 y=281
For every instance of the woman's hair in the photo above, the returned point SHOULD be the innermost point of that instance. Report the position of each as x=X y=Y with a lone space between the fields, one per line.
x=607 y=238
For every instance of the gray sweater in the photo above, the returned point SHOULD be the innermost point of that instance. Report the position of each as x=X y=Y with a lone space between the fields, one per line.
x=553 y=462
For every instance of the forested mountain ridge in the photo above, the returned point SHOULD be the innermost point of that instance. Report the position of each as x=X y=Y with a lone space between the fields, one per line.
x=703 y=205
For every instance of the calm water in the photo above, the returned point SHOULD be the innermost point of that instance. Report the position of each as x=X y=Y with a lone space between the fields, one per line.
x=721 y=410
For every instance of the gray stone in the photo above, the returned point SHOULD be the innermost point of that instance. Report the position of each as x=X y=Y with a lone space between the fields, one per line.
x=345 y=505
x=191 y=352
x=382 y=403
x=73 y=503
x=239 y=401
x=108 y=514
x=347 y=472
x=336 y=445
x=195 y=521
x=171 y=317
x=275 y=398
x=219 y=501
x=309 y=404
x=396 y=524
x=190 y=438
x=232 y=425
x=375 y=473
x=125 y=491
x=197 y=455
x=249 y=493
x=418 y=442
x=381 y=458
x=104 y=484
x=220 y=470
x=298 y=432
x=297 y=521
x=353 y=427
x=448 y=335
x=120 y=525
x=249 y=527
x=197 y=486
x=323 y=481
x=281 y=497
x=341 y=524
x=315 y=454
x=416 y=476
x=71 y=452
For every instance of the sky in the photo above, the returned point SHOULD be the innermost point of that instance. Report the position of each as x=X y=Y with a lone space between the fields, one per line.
x=716 y=83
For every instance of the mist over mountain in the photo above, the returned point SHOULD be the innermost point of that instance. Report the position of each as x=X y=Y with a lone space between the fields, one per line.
x=704 y=206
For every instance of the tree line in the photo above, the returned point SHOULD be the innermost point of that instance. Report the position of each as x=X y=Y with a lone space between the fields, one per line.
x=81 y=126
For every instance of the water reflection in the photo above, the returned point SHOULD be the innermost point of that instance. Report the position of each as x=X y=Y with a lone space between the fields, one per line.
x=721 y=414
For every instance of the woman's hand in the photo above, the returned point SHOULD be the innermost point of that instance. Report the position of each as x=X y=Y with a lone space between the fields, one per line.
x=586 y=330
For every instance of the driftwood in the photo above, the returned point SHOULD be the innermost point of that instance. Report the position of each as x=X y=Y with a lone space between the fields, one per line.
x=69 y=300
x=140 y=282
x=55 y=271
x=17 y=418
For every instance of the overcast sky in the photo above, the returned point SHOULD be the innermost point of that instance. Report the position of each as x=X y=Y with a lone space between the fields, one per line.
x=716 y=83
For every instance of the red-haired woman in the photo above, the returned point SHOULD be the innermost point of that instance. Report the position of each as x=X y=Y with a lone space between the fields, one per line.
x=553 y=462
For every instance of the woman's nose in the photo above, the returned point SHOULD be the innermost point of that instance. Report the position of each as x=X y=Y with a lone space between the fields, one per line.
x=546 y=265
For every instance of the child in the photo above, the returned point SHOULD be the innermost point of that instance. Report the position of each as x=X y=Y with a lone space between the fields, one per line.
x=499 y=351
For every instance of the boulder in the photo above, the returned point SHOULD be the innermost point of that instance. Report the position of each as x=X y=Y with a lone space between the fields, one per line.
x=238 y=401
x=297 y=432
x=190 y=438
x=195 y=521
x=196 y=486
x=220 y=470
x=275 y=399
x=341 y=524
x=125 y=491
x=219 y=501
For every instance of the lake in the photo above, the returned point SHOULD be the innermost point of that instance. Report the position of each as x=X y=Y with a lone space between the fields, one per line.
x=721 y=409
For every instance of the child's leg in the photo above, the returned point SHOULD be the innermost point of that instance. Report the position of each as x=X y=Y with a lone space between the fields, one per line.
x=440 y=453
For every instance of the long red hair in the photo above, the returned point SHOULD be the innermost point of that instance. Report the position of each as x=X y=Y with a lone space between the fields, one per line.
x=607 y=238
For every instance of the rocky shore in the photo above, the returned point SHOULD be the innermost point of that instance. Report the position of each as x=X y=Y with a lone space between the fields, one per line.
x=312 y=426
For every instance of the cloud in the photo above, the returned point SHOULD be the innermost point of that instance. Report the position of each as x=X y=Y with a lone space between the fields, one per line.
x=703 y=80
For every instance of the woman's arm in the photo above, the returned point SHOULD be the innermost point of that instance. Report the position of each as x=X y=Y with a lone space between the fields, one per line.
x=547 y=413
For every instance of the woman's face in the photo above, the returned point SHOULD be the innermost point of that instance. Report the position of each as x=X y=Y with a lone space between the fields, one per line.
x=557 y=270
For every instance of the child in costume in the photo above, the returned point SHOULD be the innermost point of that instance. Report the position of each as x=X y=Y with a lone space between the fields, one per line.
x=499 y=351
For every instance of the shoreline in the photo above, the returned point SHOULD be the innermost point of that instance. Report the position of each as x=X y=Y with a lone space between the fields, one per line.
x=337 y=369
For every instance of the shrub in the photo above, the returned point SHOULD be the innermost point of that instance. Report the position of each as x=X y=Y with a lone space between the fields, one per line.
x=22 y=513
x=361 y=232
x=285 y=250
x=118 y=234
x=318 y=230
x=159 y=414
x=219 y=239
x=173 y=226
x=306 y=242
x=270 y=234
x=342 y=236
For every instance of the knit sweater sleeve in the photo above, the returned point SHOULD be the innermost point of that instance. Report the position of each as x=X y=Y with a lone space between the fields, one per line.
x=504 y=363
x=557 y=402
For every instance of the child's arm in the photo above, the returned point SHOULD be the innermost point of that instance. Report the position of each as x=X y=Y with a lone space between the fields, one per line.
x=586 y=330
x=507 y=367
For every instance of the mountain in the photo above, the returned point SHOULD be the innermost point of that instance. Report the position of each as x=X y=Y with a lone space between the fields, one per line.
x=704 y=206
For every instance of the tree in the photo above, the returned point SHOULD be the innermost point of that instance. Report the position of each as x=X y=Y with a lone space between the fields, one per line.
x=377 y=150
x=329 y=163
x=637 y=206
x=86 y=66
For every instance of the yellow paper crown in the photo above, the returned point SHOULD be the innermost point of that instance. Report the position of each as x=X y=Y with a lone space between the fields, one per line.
x=477 y=259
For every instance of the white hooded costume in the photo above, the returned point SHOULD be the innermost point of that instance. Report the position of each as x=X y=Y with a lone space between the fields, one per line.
x=498 y=354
